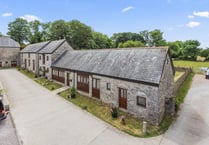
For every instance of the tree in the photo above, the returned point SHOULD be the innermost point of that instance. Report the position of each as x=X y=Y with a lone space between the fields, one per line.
x=45 y=31
x=19 y=30
x=125 y=36
x=156 y=38
x=102 y=41
x=131 y=43
x=190 y=49
x=1 y=34
x=80 y=35
x=146 y=37
x=176 y=48
x=205 y=53
x=59 y=29
x=35 y=33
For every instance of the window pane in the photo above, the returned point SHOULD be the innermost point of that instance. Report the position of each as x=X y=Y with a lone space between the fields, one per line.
x=141 y=101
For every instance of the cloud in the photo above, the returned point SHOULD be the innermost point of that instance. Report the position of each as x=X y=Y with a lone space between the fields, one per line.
x=190 y=16
x=201 y=14
x=169 y=1
x=127 y=9
x=6 y=14
x=193 y=24
x=30 y=18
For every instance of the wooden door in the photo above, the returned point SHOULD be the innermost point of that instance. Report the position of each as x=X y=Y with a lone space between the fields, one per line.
x=96 y=88
x=122 y=98
x=83 y=82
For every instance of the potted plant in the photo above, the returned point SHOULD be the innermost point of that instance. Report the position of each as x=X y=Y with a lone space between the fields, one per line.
x=73 y=92
x=114 y=112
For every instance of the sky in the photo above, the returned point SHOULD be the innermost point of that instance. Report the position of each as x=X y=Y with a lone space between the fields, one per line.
x=177 y=19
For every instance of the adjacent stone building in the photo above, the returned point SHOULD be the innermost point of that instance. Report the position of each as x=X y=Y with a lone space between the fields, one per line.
x=9 y=52
x=139 y=80
x=50 y=53
x=38 y=57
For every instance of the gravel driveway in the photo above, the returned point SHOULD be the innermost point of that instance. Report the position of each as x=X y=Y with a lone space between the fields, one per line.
x=43 y=118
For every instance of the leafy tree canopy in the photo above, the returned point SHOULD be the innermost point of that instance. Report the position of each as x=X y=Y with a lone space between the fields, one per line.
x=19 y=30
x=131 y=43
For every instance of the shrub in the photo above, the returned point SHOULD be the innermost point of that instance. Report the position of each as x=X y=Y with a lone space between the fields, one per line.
x=114 y=112
x=73 y=92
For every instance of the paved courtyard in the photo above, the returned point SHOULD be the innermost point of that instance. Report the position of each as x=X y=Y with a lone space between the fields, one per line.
x=43 y=118
x=7 y=132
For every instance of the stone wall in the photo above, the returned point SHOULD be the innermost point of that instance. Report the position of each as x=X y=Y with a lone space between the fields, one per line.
x=149 y=113
x=25 y=59
x=181 y=79
x=47 y=65
x=7 y=55
x=166 y=90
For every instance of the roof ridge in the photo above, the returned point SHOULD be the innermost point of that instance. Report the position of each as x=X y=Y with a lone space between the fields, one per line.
x=128 y=48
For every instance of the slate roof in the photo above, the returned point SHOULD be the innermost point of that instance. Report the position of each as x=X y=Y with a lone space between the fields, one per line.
x=52 y=46
x=7 y=42
x=137 y=64
x=33 y=48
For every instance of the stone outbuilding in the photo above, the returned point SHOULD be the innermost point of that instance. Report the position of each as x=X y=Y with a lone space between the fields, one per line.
x=37 y=58
x=136 y=80
x=9 y=52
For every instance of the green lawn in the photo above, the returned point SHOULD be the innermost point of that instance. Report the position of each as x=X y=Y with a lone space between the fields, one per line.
x=133 y=125
x=48 y=84
x=27 y=73
x=194 y=64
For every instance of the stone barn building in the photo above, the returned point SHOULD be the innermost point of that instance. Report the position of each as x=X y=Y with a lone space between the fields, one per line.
x=9 y=52
x=38 y=57
x=138 y=80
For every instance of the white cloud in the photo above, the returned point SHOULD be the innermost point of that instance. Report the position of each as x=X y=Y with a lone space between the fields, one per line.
x=190 y=16
x=30 y=18
x=193 y=24
x=6 y=14
x=169 y=1
x=201 y=14
x=127 y=9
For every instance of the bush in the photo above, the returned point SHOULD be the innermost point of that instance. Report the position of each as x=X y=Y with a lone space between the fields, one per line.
x=73 y=92
x=114 y=112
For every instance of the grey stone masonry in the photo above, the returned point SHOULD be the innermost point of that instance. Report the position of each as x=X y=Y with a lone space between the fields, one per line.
x=140 y=81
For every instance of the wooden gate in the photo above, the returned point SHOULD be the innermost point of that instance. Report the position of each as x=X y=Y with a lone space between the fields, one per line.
x=122 y=98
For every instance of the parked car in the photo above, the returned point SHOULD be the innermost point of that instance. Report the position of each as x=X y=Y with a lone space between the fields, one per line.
x=3 y=113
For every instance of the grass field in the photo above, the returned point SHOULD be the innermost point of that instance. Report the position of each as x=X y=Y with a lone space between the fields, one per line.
x=193 y=64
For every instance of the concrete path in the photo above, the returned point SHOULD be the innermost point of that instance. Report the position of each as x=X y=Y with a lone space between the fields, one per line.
x=43 y=118
x=192 y=124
